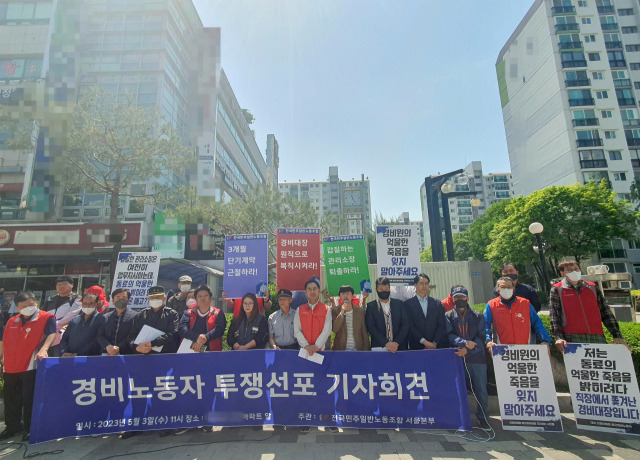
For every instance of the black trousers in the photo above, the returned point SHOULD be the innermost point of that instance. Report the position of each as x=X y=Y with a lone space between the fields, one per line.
x=18 y=399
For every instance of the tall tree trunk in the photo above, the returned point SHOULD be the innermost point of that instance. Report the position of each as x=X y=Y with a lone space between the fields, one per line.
x=115 y=232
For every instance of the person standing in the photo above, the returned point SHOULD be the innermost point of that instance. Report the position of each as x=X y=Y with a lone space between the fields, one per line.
x=26 y=339
x=157 y=316
x=178 y=301
x=65 y=306
x=312 y=322
x=428 y=326
x=249 y=329
x=387 y=320
x=348 y=324
x=520 y=289
x=81 y=336
x=203 y=325
x=281 y=324
x=113 y=335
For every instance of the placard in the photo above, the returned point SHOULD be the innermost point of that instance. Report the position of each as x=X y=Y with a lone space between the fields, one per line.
x=298 y=257
x=137 y=271
x=345 y=263
x=398 y=251
x=246 y=261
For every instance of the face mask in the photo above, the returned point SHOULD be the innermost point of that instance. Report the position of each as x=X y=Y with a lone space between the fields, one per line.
x=461 y=303
x=384 y=295
x=506 y=294
x=185 y=287
x=155 y=303
x=574 y=276
x=513 y=276
x=28 y=311
x=191 y=303
x=88 y=310
x=121 y=304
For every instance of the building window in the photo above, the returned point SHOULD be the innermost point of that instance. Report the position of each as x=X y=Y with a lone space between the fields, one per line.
x=615 y=155
x=636 y=84
x=582 y=3
x=632 y=47
x=590 y=38
x=617 y=267
x=634 y=244
x=625 y=11
x=606 y=113
x=619 y=176
x=597 y=75
x=602 y=94
x=624 y=196
x=636 y=268
x=594 y=56
x=630 y=30
x=586 y=20
x=609 y=134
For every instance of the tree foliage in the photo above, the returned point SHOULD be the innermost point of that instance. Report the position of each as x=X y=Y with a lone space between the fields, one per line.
x=473 y=242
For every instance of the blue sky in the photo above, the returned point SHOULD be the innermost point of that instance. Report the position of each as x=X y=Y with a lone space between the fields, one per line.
x=394 y=89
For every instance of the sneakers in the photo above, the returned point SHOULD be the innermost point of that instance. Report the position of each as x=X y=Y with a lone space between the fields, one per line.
x=484 y=425
x=305 y=429
x=180 y=431
x=6 y=434
x=26 y=437
x=333 y=429
x=128 y=434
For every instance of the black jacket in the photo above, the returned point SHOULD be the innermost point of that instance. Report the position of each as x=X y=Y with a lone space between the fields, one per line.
x=432 y=328
x=165 y=320
x=258 y=330
x=121 y=332
x=81 y=337
x=377 y=328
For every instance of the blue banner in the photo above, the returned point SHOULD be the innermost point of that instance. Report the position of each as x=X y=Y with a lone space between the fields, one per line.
x=110 y=394
x=246 y=261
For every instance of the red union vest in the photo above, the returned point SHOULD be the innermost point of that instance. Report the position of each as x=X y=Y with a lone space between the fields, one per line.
x=580 y=312
x=20 y=342
x=215 y=344
x=512 y=325
x=312 y=321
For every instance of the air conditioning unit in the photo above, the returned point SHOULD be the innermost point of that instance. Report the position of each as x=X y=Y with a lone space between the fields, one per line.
x=597 y=270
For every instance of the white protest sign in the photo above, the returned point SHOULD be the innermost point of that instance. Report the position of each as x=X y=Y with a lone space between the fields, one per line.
x=137 y=271
x=398 y=251
x=526 y=392
x=604 y=387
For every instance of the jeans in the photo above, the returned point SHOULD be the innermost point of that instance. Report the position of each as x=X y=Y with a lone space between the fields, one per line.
x=478 y=373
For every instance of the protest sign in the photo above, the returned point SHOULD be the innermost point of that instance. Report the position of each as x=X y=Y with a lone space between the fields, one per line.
x=604 y=387
x=298 y=257
x=526 y=391
x=398 y=252
x=110 y=394
x=246 y=264
x=345 y=262
x=137 y=271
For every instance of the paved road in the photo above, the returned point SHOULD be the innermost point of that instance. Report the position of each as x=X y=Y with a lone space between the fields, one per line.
x=268 y=444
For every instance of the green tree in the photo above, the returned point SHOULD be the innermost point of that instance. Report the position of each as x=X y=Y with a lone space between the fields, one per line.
x=473 y=242
x=121 y=150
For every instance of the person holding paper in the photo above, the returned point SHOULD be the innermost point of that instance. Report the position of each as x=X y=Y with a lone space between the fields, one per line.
x=387 y=320
x=113 y=336
x=509 y=318
x=577 y=310
x=203 y=325
x=348 y=324
x=281 y=323
x=249 y=329
x=65 y=306
x=81 y=336
x=428 y=326
x=158 y=317
x=312 y=323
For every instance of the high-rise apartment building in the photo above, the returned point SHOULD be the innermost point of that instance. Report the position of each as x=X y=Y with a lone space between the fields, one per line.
x=350 y=199
x=273 y=159
x=405 y=220
x=569 y=77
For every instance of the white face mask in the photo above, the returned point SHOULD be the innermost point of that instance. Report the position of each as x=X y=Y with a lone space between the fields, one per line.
x=185 y=287
x=506 y=294
x=155 y=303
x=87 y=310
x=191 y=303
x=574 y=276
x=28 y=311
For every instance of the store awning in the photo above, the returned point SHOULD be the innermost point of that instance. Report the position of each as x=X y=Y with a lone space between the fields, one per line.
x=173 y=269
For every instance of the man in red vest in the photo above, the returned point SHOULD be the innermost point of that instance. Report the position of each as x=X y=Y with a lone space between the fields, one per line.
x=509 y=318
x=203 y=325
x=577 y=310
x=312 y=323
x=26 y=340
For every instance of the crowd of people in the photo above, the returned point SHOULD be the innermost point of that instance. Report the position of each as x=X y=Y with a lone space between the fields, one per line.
x=68 y=325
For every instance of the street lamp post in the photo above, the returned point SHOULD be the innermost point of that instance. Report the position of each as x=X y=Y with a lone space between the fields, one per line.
x=536 y=229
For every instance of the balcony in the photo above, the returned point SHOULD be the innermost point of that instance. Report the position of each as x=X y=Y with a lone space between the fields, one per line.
x=610 y=26
x=581 y=102
x=558 y=10
x=633 y=141
x=621 y=82
x=570 y=64
x=577 y=82
x=631 y=122
x=617 y=63
x=563 y=46
x=573 y=27
x=612 y=253
x=613 y=45
x=590 y=164
x=586 y=122
x=606 y=9
x=597 y=142
x=626 y=101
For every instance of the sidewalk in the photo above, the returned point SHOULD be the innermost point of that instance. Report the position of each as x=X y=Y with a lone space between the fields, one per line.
x=266 y=444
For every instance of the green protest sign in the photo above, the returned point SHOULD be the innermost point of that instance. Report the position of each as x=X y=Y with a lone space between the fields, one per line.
x=345 y=262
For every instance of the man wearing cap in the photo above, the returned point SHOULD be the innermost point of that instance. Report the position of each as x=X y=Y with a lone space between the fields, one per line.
x=467 y=331
x=387 y=320
x=157 y=316
x=81 y=336
x=281 y=324
x=348 y=324
x=178 y=301
x=312 y=322
x=65 y=306
x=113 y=336
x=428 y=326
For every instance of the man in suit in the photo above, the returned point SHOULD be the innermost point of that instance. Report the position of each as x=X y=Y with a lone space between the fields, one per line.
x=387 y=320
x=428 y=327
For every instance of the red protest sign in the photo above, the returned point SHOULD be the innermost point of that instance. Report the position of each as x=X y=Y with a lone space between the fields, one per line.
x=298 y=257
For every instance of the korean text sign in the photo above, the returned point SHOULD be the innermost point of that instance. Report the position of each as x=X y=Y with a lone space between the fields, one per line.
x=345 y=262
x=298 y=257
x=398 y=252
x=246 y=264
x=527 y=394
x=604 y=387
x=137 y=271
x=108 y=394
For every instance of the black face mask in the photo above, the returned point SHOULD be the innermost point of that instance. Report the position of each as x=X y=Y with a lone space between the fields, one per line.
x=513 y=276
x=384 y=295
x=461 y=304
